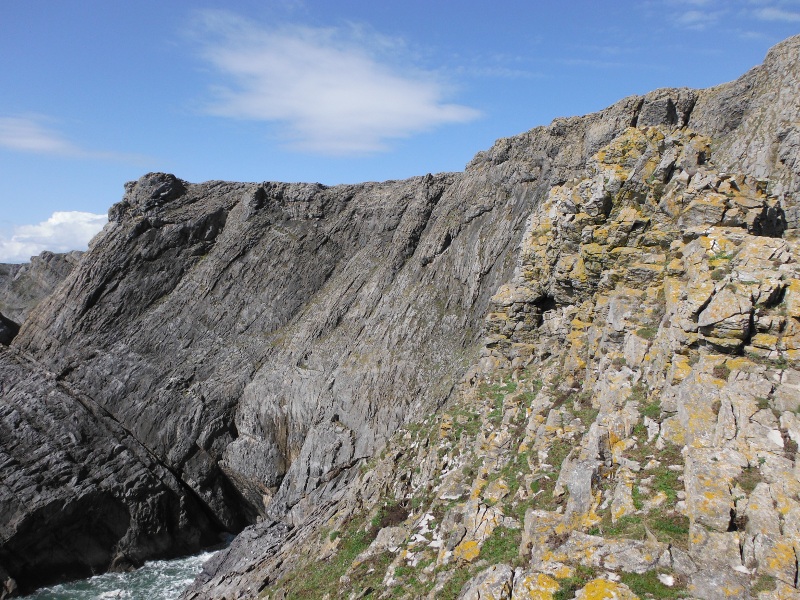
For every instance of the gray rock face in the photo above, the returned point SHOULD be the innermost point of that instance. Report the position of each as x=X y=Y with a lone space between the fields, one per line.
x=79 y=493
x=23 y=286
x=252 y=342
x=8 y=330
x=754 y=120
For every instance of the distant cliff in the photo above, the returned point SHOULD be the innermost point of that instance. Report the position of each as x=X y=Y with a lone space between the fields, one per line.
x=519 y=343
x=23 y=286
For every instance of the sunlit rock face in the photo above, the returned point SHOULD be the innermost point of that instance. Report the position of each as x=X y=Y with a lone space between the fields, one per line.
x=570 y=364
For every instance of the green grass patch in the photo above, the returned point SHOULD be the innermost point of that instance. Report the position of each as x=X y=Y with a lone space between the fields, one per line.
x=509 y=387
x=636 y=494
x=629 y=526
x=647 y=585
x=558 y=452
x=672 y=528
x=570 y=585
x=764 y=583
x=465 y=422
x=452 y=588
x=749 y=478
x=651 y=410
x=587 y=415
x=502 y=546
x=667 y=481
x=495 y=416
x=647 y=333
x=324 y=576
x=667 y=526
x=639 y=393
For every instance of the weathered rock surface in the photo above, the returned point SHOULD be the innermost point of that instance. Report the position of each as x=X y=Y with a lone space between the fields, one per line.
x=79 y=493
x=605 y=311
x=628 y=423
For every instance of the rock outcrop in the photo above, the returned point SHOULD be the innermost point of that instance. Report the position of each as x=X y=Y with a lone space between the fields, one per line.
x=587 y=340
x=79 y=493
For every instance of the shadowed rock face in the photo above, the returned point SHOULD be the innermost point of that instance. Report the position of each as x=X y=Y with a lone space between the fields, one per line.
x=254 y=341
x=79 y=493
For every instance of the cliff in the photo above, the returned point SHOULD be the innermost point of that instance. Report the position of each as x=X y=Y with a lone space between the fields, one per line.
x=23 y=286
x=576 y=362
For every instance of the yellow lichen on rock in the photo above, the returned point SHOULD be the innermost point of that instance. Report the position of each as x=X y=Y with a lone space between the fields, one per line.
x=537 y=586
x=467 y=550
x=605 y=589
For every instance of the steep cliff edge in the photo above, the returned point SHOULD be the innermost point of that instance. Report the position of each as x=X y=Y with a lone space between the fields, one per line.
x=630 y=430
x=259 y=342
x=628 y=425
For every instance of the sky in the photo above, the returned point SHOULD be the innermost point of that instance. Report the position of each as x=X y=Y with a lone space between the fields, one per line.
x=96 y=93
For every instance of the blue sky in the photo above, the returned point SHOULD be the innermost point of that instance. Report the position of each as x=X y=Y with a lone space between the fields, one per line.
x=96 y=93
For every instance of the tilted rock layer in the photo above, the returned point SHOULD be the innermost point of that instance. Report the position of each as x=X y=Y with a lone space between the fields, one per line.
x=594 y=328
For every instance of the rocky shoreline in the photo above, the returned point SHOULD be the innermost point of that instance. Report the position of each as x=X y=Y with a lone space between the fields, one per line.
x=570 y=370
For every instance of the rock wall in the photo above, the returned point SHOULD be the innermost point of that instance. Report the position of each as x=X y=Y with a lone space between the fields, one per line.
x=260 y=342
x=630 y=428
x=583 y=453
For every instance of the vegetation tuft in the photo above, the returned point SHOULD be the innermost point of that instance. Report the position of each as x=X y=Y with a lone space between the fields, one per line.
x=570 y=585
x=647 y=585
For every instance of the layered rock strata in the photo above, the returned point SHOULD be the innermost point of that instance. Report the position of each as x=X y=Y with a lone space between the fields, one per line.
x=256 y=344
x=630 y=428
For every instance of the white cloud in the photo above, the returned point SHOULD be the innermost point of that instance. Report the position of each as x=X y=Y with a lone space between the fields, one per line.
x=778 y=14
x=62 y=232
x=28 y=134
x=334 y=91
x=32 y=133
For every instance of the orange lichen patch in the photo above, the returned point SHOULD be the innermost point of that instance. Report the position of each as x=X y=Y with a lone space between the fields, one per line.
x=624 y=149
x=591 y=518
x=563 y=571
x=536 y=587
x=467 y=550
x=680 y=368
x=446 y=426
x=477 y=487
x=605 y=589
x=792 y=298
x=780 y=561
x=675 y=267
x=739 y=363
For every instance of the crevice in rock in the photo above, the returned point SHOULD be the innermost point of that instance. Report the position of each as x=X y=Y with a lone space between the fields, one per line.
x=94 y=297
x=8 y=330
x=738 y=522
x=776 y=298
x=637 y=109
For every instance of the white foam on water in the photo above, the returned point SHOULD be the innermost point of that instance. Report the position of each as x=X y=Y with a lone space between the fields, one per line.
x=156 y=580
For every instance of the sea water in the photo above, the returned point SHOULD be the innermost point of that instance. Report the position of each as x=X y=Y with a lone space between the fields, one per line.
x=156 y=580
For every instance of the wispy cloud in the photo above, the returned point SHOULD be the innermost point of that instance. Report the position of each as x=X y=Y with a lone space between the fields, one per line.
x=589 y=62
x=778 y=14
x=62 y=232
x=698 y=19
x=28 y=134
x=333 y=91
x=36 y=134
